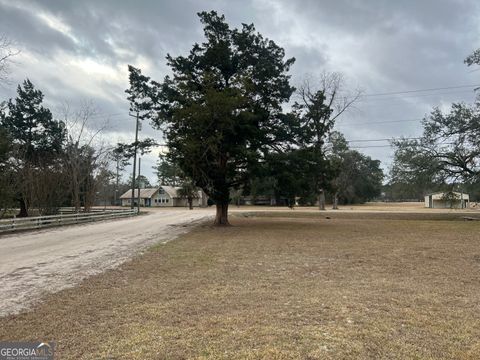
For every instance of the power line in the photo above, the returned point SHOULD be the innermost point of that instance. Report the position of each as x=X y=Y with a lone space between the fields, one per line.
x=421 y=90
x=385 y=139
x=384 y=146
x=407 y=96
x=370 y=146
x=106 y=115
x=380 y=122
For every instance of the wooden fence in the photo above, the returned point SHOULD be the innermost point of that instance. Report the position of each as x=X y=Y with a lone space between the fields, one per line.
x=38 y=222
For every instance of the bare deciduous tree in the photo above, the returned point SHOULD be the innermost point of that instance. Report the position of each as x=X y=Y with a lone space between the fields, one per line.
x=85 y=153
x=329 y=86
x=7 y=51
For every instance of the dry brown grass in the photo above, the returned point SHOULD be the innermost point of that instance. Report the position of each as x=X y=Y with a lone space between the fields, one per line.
x=279 y=287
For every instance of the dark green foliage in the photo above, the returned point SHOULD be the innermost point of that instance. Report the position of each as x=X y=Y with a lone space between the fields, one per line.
x=141 y=182
x=126 y=151
x=314 y=125
x=118 y=155
x=316 y=114
x=366 y=178
x=139 y=96
x=188 y=191
x=37 y=143
x=473 y=58
x=6 y=145
x=358 y=178
x=295 y=174
x=167 y=172
x=6 y=173
x=315 y=121
x=261 y=186
x=221 y=109
x=138 y=92
x=37 y=137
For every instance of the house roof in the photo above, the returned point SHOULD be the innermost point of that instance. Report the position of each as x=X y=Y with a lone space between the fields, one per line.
x=170 y=190
x=445 y=192
x=441 y=195
x=146 y=193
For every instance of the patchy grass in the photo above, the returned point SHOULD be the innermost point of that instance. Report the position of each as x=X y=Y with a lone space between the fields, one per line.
x=278 y=287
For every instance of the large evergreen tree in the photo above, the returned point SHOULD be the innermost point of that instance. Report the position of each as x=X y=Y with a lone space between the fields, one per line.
x=37 y=138
x=221 y=109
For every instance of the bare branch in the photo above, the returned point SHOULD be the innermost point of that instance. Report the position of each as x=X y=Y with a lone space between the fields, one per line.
x=332 y=84
x=7 y=51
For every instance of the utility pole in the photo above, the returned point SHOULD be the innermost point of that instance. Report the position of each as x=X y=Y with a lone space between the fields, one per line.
x=115 y=203
x=132 y=205
x=105 y=196
x=139 y=165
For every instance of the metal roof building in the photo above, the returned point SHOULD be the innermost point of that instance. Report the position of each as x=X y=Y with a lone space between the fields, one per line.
x=447 y=200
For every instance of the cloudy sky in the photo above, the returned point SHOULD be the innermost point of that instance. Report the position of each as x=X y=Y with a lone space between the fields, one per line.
x=78 y=51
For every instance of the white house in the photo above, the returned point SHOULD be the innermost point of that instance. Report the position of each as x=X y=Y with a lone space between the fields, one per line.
x=163 y=196
x=447 y=200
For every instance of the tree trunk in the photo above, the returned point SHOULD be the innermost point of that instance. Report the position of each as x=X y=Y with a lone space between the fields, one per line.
x=321 y=200
x=190 y=203
x=335 y=201
x=221 y=219
x=23 y=208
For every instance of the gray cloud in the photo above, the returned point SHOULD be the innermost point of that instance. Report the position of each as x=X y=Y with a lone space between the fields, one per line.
x=77 y=50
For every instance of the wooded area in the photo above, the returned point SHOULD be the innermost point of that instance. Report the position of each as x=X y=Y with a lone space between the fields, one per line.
x=234 y=126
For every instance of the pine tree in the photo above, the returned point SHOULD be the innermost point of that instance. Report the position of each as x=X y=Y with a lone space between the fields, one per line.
x=37 y=138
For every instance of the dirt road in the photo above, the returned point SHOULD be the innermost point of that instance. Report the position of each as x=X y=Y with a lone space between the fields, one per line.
x=33 y=264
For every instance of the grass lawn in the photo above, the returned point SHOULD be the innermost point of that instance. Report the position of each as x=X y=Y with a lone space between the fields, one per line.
x=286 y=286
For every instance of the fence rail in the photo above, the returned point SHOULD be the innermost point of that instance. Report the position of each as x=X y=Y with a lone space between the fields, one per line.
x=38 y=222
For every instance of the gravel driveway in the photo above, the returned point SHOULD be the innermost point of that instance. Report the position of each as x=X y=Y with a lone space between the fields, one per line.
x=33 y=264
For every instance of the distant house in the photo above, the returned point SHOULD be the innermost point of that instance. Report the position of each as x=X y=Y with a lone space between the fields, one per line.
x=257 y=200
x=447 y=200
x=162 y=196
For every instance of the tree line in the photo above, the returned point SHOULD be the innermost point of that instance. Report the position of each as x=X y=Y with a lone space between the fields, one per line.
x=48 y=163
x=231 y=120
x=222 y=112
x=446 y=157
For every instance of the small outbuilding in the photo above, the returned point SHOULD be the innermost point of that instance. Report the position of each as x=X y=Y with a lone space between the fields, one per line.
x=162 y=196
x=447 y=200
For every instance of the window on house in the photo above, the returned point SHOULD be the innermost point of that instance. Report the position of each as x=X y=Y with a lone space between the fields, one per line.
x=167 y=200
